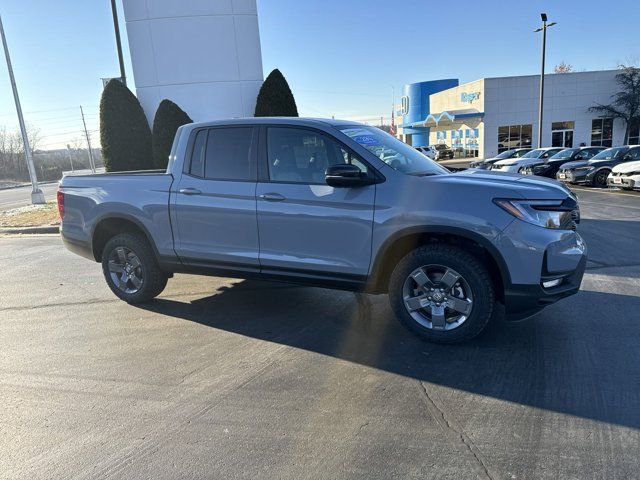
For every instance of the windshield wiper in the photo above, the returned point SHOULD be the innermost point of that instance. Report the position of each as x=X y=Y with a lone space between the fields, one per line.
x=423 y=174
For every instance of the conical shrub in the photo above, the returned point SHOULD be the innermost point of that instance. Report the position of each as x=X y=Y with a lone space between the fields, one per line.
x=169 y=117
x=275 y=98
x=124 y=132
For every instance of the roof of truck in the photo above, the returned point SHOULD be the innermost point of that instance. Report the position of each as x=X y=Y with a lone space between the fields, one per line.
x=303 y=121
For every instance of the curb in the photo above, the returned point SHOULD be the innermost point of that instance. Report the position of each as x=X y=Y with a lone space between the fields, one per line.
x=31 y=230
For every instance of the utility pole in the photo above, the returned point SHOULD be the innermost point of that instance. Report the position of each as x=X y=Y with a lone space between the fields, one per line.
x=37 y=197
x=543 y=29
x=70 y=159
x=86 y=134
x=116 y=27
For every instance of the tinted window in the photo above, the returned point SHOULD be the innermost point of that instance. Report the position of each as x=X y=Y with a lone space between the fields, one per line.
x=633 y=154
x=228 y=154
x=566 y=153
x=302 y=156
x=197 y=156
x=610 y=153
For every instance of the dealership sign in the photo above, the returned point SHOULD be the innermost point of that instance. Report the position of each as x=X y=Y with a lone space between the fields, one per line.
x=469 y=97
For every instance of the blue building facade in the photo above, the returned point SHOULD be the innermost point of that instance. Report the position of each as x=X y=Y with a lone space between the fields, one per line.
x=415 y=106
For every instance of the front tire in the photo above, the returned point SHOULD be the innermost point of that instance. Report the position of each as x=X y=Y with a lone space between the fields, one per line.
x=600 y=178
x=442 y=294
x=131 y=270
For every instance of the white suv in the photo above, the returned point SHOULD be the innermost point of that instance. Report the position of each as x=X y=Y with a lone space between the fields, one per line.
x=429 y=151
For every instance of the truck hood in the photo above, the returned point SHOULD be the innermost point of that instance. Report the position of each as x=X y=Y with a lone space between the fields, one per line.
x=508 y=185
x=627 y=167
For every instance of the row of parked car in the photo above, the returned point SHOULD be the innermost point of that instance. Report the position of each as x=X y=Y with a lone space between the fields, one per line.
x=592 y=166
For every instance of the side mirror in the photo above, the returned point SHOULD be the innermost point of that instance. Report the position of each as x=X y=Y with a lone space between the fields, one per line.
x=346 y=175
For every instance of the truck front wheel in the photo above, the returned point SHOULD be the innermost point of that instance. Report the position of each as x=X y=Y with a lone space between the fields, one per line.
x=442 y=293
x=130 y=268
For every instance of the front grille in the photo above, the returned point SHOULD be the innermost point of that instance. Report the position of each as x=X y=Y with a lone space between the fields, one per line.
x=616 y=174
x=575 y=219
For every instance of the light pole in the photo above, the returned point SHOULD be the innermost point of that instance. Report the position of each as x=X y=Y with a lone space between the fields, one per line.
x=36 y=194
x=116 y=27
x=543 y=29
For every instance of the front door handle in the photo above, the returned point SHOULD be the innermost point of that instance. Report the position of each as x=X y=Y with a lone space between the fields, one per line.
x=272 y=197
x=190 y=191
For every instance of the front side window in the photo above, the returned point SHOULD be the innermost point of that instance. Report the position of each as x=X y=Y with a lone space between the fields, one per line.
x=393 y=152
x=302 y=156
x=601 y=132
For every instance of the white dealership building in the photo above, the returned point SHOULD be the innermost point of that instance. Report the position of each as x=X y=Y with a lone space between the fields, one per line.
x=202 y=54
x=486 y=116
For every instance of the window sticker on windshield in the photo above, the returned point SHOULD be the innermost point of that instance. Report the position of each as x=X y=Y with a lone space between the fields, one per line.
x=366 y=140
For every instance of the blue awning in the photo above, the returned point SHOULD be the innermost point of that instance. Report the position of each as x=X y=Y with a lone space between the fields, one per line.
x=444 y=118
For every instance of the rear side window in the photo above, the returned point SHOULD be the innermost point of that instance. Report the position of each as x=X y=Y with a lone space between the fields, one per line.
x=228 y=154
x=197 y=156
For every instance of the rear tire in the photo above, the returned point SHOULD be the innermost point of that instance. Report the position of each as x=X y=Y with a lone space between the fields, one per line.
x=454 y=278
x=131 y=270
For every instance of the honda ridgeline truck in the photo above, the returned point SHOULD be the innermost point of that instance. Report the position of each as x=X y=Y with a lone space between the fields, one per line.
x=333 y=204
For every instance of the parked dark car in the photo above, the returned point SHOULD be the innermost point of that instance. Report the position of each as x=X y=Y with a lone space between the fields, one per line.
x=443 y=151
x=487 y=162
x=594 y=172
x=552 y=165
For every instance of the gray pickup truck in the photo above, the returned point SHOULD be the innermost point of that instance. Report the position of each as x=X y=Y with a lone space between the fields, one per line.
x=333 y=204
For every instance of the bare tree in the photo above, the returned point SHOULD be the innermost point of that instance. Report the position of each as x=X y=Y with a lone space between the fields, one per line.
x=626 y=103
x=563 y=67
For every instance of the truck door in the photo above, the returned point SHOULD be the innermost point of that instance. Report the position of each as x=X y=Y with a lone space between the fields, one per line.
x=214 y=203
x=307 y=226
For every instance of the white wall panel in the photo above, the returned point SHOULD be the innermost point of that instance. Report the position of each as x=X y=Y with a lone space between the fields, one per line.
x=202 y=54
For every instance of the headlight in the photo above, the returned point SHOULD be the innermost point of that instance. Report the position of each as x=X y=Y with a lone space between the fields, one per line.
x=544 y=213
x=584 y=169
x=540 y=168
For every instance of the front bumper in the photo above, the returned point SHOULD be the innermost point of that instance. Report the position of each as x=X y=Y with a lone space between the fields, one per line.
x=573 y=176
x=536 y=255
x=623 y=182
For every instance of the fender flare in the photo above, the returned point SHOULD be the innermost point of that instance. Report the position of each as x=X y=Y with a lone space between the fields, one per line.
x=377 y=266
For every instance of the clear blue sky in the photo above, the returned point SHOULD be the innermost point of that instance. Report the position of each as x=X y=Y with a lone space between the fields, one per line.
x=340 y=57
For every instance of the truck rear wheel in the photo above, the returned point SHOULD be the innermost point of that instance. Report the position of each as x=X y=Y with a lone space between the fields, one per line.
x=130 y=268
x=442 y=294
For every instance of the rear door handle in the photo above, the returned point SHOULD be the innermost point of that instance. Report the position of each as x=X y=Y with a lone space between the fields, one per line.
x=272 y=197
x=190 y=191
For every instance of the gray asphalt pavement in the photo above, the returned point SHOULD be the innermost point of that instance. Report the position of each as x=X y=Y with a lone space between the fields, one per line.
x=224 y=378
x=21 y=196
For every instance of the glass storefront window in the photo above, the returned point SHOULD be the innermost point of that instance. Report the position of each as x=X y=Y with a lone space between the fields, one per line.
x=514 y=136
x=634 y=133
x=562 y=126
x=601 y=132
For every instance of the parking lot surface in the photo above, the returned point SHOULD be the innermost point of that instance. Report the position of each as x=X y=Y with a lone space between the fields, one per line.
x=223 y=378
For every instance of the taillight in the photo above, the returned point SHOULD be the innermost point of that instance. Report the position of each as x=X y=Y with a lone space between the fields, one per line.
x=60 y=198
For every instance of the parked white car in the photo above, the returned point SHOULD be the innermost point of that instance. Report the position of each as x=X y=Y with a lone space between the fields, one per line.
x=429 y=150
x=625 y=175
x=514 y=165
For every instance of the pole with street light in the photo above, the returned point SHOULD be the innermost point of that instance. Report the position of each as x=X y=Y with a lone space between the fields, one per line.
x=543 y=29
x=116 y=27
x=36 y=193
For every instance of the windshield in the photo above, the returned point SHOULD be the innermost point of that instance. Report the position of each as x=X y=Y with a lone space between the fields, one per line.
x=393 y=152
x=566 y=153
x=609 y=153
x=533 y=153
x=506 y=154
